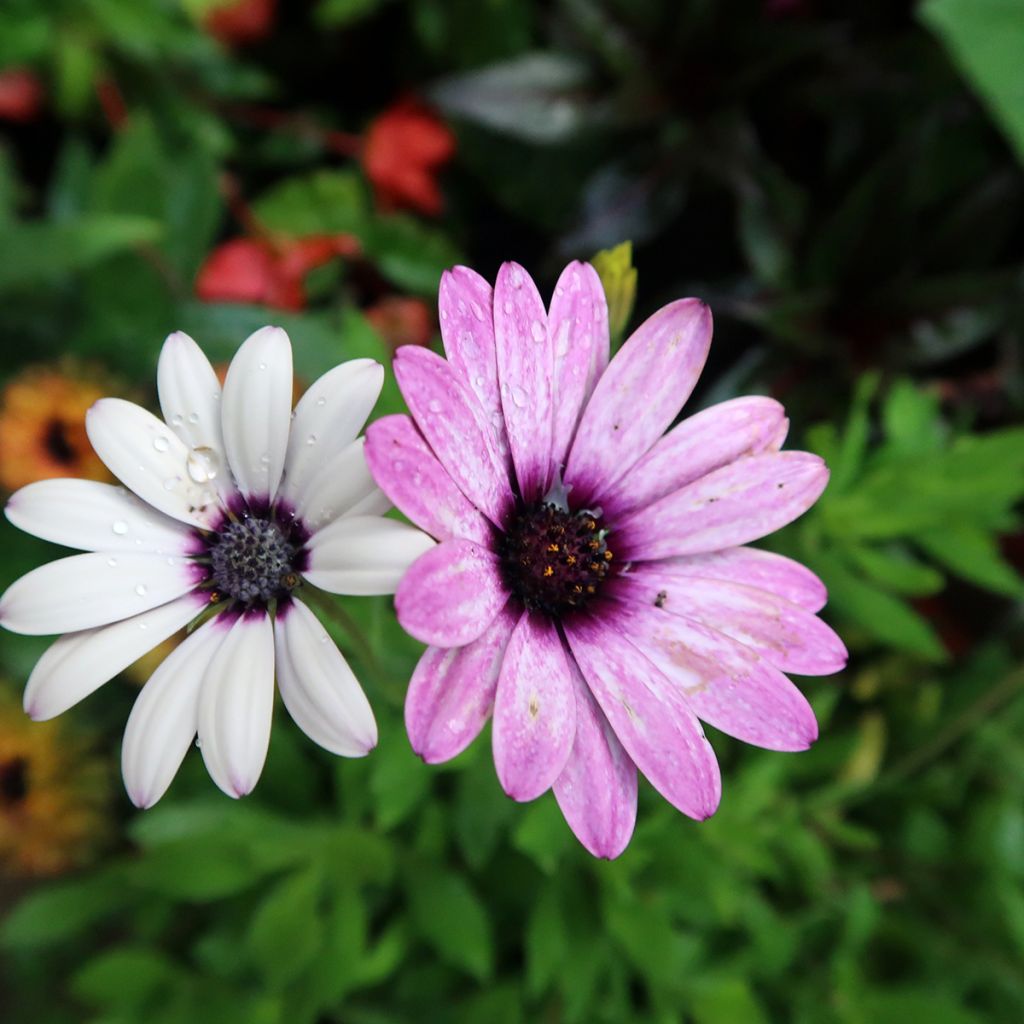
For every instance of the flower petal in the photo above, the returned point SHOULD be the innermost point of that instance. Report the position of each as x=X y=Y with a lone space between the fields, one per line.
x=754 y=567
x=465 y=304
x=640 y=394
x=256 y=414
x=79 y=663
x=700 y=444
x=784 y=634
x=451 y=693
x=451 y=594
x=236 y=703
x=406 y=469
x=741 y=502
x=328 y=419
x=725 y=684
x=84 y=591
x=92 y=516
x=363 y=554
x=649 y=717
x=579 y=340
x=451 y=421
x=534 y=710
x=597 y=790
x=525 y=366
x=334 y=490
x=317 y=686
x=165 y=717
x=150 y=459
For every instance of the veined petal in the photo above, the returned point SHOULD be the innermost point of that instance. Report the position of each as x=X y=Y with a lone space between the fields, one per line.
x=597 y=790
x=465 y=304
x=649 y=716
x=726 y=684
x=317 y=686
x=410 y=475
x=256 y=414
x=450 y=419
x=165 y=716
x=700 y=444
x=337 y=487
x=534 y=710
x=741 y=502
x=236 y=703
x=451 y=693
x=84 y=591
x=784 y=634
x=327 y=420
x=78 y=664
x=579 y=340
x=150 y=459
x=640 y=394
x=363 y=554
x=451 y=594
x=525 y=366
x=93 y=516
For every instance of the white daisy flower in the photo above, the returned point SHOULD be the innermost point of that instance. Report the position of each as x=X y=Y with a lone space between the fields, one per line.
x=231 y=505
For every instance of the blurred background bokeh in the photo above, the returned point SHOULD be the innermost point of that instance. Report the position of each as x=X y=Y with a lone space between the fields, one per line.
x=843 y=183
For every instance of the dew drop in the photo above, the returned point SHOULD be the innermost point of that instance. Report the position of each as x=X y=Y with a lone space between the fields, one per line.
x=311 y=440
x=434 y=405
x=537 y=330
x=477 y=311
x=202 y=464
x=140 y=589
x=161 y=444
x=507 y=306
x=322 y=401
x=193 y=418
x=171 y=482
x=264 y=459
x=263 y=366
x=143 y=625
x=177 y=419
x=479 y=381
x=516 y=277
x=119 y=526
x=518 y=396
x=111 y=562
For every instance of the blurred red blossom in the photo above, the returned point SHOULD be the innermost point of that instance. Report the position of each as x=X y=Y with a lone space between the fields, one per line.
x=401 y=320
x=267 y=272
x=21 y=95
x=241 y=22
x=404 y=149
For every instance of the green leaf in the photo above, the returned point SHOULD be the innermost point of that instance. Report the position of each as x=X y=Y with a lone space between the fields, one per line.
x=410 y=254
x=726 y=1000
x=547 y=940
x=123 y=977
x=335 y=13
x=323 y=203
x=899 y=1005
x=894 y=569
x=972 y=553
x=618 y=278
x=853 y=446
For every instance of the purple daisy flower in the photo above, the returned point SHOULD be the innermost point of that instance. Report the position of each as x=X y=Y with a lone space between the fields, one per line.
x=591 y=589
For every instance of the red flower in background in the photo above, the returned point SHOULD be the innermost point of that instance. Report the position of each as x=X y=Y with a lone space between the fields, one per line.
x=268 y=273
x=401 y=320
x=241 y=22
x=21 y=95
x=405 y=147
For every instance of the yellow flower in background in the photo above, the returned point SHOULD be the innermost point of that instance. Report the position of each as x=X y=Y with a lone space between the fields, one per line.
x=53 y=800
x=42 y=427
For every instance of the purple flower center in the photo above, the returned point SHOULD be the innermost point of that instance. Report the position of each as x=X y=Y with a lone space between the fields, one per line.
x=555 y=560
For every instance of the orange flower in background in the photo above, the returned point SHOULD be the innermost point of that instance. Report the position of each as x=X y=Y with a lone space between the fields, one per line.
x=404 y=150
x=401 y=320
x=53 y=800
x=42 y=428
x=21 y=95
x=238 y=22
x=268 y=273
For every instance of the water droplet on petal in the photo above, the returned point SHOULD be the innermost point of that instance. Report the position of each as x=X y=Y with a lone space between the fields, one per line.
x=193 y=418
x=160 y=443
x=141 y=589
x=477 y=311
x=202 y=464
x=321 y=402
x=263 y=366
x=537 y=330
x=516 y=277
x=507 y=306
x=434 y=405
x=177 y=419
x=171 y=482
x=311 y=440
x=119 y=526
x=111 y=562
x=518 y=396
x=264 y=459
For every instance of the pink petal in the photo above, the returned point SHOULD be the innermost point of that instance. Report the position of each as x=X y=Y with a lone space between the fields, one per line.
x=597 y=788
x=465 y=304
x=726 y=684
x=649 y=716
x=451 y=594
x=699 y=445
x=741 y=502
x=578 y=336
x=451 y=692
x=407 y=471
x=640 y=394
x=754 y=567
x=784 y=634
x=534 y=710
x=525 y=364
x=451 y=420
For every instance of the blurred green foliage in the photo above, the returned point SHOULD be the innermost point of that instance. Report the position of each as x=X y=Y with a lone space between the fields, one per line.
x=820 y=174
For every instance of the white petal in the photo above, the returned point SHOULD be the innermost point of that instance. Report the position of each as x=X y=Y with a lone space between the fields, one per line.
x=328 y=418
x=190 y=398
x=236 y=704
x=149 y=459
x=84 y=591
x=80 y=663
x=164 y=718
x=256 y=413
x=337 y=487
x=317 y=686
x=91 y=516
x=363 y=554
